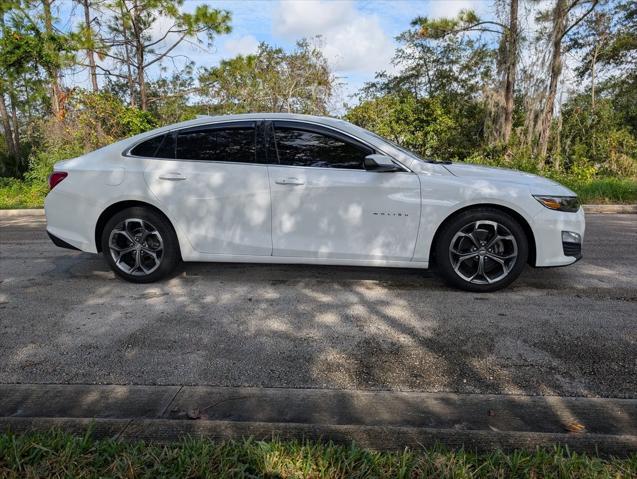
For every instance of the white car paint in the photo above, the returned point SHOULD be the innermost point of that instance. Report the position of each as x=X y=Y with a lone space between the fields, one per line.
x=238 y=212
x=344 y=214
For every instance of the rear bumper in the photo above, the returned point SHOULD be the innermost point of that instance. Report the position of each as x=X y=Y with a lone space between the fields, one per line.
x=60 y=242
x=66 y=219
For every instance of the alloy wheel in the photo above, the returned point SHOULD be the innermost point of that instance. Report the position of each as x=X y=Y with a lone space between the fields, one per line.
x=136 y=247
x=483 y=252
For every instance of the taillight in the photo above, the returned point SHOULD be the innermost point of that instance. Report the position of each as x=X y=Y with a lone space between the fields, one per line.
x=56 y=177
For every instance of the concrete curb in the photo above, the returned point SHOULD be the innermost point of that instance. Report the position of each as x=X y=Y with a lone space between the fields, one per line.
x=610 y=209
x=379 y=420
x=387 y=438
x=591 y=209
x=14 y=213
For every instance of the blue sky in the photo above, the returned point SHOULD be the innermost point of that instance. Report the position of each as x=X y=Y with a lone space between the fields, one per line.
x=358 y=36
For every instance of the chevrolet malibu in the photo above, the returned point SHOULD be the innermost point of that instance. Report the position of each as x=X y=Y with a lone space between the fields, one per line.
x=283 y=188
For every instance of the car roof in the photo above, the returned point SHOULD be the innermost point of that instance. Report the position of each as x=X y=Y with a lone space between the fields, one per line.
x=204 y=119
x=336 y=123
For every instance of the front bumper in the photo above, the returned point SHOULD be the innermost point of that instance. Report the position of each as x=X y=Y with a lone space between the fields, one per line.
x=547 y=228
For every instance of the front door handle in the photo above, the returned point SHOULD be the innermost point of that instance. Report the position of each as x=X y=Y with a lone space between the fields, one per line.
x=289 y=181
x=172 y=177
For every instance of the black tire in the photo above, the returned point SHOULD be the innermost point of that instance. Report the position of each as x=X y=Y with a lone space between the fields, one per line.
x=456 y=231
x=160 y=241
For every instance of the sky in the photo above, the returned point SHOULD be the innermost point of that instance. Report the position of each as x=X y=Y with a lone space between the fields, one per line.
x=358 y=36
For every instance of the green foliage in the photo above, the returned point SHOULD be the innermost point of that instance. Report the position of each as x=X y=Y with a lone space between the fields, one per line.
x=93 y=120
x=56 y=454
x=600 y=190
x=433 y=103
x=26 y=47
x=169 y=97
x=596 y=141
x=16 y=193
x=270 y=80
x=420 y=124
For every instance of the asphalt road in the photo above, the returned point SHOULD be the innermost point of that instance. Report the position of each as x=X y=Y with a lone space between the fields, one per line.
x=65 y=318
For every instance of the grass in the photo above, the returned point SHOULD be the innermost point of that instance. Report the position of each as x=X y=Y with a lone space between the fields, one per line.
x=58 y=454
x=21 y=194
x=602 y=190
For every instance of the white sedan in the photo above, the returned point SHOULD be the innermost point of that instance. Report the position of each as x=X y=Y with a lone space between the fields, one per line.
x=282 y=188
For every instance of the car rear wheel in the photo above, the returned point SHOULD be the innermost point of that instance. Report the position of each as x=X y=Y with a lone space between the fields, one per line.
x=481 y=250
x=140 y=245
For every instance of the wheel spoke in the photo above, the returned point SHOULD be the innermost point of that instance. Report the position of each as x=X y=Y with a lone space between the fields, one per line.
x=125 y=234
x=501 y=257
x=151 y=253
x=475 y=242
x=121 y=250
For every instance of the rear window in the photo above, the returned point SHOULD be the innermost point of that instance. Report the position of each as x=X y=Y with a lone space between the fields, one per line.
x=148 y=147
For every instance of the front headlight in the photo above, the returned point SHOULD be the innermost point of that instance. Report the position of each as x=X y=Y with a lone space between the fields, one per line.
x=559 y=203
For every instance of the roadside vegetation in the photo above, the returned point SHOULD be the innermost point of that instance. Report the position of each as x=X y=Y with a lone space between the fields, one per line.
x=57 y=454
x=495 y=91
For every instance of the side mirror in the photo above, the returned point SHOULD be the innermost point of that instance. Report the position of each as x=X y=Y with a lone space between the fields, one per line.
x=380 y=164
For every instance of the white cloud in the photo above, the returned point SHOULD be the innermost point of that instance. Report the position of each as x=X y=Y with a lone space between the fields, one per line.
x=451 y=8
x=311 y=17
x=352 y=40
x=244 y=45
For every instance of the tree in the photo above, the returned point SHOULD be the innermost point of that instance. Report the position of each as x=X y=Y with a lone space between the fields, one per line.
x=135 y=49
x=271 y=80
x=618 y=60
x=560 y=29
x=88 y=39
x=435 y=102
x=10 y=129
x=419 y=124
x=467 y=22
x=51 y=47
x=30 y=60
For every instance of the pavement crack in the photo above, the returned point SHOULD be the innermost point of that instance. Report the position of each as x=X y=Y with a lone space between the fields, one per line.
x=163 y=413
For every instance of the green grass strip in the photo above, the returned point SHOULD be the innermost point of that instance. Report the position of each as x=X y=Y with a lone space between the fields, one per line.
x=58 y=454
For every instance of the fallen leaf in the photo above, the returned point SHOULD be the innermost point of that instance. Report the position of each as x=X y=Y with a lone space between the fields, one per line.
x=574 y=426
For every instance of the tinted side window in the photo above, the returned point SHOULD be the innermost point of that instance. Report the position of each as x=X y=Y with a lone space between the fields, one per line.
x=148 y=147
x=306 y=148
x=167 y=148
x=217 y=144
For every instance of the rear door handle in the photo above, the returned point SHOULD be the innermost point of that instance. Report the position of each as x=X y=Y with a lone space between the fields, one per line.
x=289 y=181
x=172 y=177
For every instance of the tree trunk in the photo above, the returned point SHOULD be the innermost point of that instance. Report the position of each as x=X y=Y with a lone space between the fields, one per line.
x=16 y=125
x=511 y=65
x=90 y=53
x=559 y=26
x=9 y=137
x=129 y=70
x=139 y=58
x=593 y=64
x=56 y=90
x=141 y=81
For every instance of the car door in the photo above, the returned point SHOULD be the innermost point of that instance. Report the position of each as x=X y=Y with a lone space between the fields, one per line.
x=216 y=186
x=326 y=205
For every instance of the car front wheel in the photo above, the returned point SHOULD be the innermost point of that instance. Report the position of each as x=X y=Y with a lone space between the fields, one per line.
x=140 y=245
x=481 y=250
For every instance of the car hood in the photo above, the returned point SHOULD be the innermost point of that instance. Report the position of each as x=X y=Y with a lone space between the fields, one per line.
x=537 y=184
